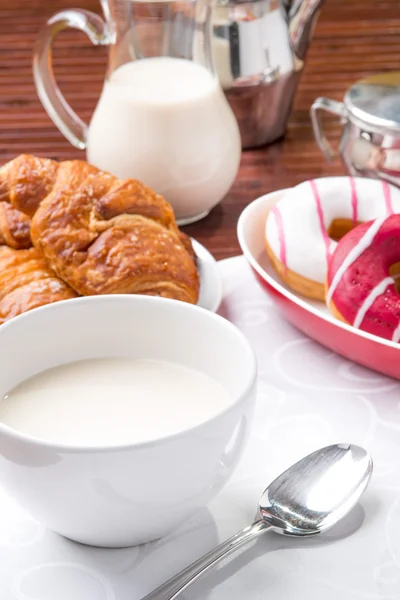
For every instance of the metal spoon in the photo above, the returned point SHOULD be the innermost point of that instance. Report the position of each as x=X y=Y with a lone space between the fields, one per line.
x=309 y=498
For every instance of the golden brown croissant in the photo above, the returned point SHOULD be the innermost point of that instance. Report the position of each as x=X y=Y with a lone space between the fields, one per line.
x=26 y=282
x=99 y=234
x=15 y=227
x=24 y=182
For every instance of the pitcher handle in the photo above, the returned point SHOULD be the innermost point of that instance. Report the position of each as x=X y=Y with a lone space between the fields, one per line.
x=330 y=106
x=58 y=109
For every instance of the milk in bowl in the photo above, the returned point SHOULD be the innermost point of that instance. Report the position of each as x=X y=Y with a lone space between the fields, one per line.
x=112 y=401
x=166 y=121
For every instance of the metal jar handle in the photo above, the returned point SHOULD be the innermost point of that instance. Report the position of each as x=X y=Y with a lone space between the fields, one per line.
x=330 y=106
x=58 y=109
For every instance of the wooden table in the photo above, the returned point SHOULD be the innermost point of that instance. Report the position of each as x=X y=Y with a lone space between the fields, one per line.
x=353 y=39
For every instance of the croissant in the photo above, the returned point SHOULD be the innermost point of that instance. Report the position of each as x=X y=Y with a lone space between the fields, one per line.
x=14 y=227
x=99 y=234
x=27 y=282
x=24 y=182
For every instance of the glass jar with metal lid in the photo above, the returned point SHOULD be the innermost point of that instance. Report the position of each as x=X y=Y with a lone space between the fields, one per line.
x=370 y=140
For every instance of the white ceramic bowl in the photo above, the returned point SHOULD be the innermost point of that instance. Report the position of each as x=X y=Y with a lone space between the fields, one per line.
x=126 y=495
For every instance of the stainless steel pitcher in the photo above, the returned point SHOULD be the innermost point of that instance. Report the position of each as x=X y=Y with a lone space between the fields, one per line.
x=370 y=114
x=259 y=49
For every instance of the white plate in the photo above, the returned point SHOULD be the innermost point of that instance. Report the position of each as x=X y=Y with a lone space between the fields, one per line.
x=210 y=278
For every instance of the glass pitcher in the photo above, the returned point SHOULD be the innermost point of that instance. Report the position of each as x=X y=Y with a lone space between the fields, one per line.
x=162 y=116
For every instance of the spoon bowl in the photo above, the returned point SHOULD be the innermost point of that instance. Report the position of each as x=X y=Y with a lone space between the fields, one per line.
x=318 y=491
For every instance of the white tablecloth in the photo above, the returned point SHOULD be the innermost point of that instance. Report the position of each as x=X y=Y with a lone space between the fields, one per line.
x=308 y=397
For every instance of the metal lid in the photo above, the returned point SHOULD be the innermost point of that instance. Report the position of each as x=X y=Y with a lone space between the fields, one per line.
x=375 y=101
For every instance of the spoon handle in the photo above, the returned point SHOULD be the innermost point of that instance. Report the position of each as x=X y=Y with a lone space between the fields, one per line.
x=177 y=584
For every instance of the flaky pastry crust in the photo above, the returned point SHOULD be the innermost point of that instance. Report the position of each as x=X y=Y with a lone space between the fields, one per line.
x=27 y=282
x=99 y=234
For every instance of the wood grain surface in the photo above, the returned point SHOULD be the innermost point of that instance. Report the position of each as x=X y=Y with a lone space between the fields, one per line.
x=353 y=39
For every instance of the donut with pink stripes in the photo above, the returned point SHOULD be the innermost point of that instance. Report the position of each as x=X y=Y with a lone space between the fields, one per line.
x=297 y=229
x=362 y=274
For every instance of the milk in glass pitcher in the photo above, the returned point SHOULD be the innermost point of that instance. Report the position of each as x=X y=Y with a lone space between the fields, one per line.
x=162 y=116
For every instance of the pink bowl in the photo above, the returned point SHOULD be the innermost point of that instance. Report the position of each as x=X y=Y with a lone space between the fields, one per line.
x=310 y=316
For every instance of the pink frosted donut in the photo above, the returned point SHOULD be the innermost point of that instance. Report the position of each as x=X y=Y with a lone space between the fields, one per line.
x=362 y=273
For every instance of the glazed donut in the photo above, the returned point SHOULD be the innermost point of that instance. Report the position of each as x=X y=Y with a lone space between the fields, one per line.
x=362 y=273
x=303 y=228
